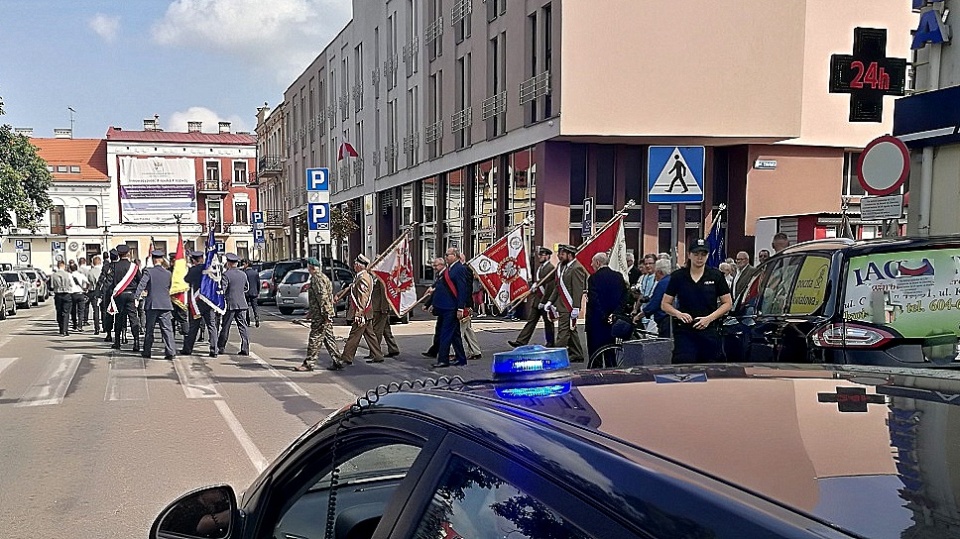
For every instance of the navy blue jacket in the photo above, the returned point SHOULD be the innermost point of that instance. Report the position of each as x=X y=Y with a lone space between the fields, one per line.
x=443 y=296
x=606 y=290
x=155 y=282
x=194 y=276
x=253 y=278
x=652 y=308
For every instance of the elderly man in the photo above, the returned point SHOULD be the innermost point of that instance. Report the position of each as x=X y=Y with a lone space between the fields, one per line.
x=451 y=292
x=780 y=242
x=361 y=302
x=606 y=291
x=566 y=299
x=652 y=308
x=745 y=272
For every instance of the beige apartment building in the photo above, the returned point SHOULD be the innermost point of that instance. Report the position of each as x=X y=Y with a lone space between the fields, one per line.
x=470 y=115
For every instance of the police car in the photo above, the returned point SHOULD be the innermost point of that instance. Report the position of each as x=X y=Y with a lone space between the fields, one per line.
x=536 y=451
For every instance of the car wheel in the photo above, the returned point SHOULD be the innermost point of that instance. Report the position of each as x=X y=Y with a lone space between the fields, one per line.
x=26 y=304
x=13 y=311
x=3 y=311
x=286 y=310
x=36 y=300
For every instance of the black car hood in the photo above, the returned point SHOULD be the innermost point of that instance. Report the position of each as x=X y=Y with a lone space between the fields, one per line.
x=873 y=451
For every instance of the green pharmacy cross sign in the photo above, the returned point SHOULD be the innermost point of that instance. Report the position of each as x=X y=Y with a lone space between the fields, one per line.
x=867 y=74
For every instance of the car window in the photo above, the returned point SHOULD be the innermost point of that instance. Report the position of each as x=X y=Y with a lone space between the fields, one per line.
x=809 y=291
x=296 y=277
x=266 y=274
x=11 y=277
x=473 y=502
x=778 y=285
x=344 y=276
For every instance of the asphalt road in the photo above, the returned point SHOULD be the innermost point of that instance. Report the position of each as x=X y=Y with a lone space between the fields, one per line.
x=96 y=442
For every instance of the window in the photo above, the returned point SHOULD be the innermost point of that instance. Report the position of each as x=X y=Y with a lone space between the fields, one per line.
x=74 y=169
x=243 y=251
x=810 y=289
x=472 y=502
x=62 y=168
x=428 y=227
x=776 y=288
x=92 y=215
x=58 y=220
x=134 y=250
x=240 y=172
x=851 y=180
x=240 y=213
x=159 y=245
x=462 y=27
x=212 y=171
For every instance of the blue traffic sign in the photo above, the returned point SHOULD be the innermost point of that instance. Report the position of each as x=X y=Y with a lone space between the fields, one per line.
x=221 y=247
x=19 y=245
x=318 y=179
x=675 y=174
x=257 y=217
x=319 y=216
x=56 y=246
x=259 y=236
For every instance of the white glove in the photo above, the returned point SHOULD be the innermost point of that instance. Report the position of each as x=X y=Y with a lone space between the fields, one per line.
x=547 y=306
x=575 y=313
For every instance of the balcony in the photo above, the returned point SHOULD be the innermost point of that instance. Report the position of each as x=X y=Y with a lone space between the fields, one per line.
x=269 y=167
x=211 y=187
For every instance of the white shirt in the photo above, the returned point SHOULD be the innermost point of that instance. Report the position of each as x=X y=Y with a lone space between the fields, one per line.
x=76 y=277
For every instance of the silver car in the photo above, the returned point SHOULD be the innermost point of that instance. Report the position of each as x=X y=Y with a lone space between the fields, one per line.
x=8 y=304
x=292 y=290
x=24 y=292
x=39 y=282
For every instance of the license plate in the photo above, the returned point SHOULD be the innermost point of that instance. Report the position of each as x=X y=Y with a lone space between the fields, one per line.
x=288 y=301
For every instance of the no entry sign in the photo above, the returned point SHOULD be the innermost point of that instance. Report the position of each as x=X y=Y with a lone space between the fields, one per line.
x=883 y=166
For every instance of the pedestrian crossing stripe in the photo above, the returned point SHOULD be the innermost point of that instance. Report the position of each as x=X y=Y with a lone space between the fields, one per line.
x=675 y=174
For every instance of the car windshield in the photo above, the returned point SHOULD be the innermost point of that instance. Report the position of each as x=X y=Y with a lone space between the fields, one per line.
x=11 y=277
x=266 y=274
x=296 y=277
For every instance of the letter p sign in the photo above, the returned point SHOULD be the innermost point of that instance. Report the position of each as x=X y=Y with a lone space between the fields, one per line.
x=319 y=216
x=318 y=179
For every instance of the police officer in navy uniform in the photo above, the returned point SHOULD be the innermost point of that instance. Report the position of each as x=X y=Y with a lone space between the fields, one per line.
x=235 y=287
x=703 y=297
x=207 y=315
x=125 y=301
x=155 y=282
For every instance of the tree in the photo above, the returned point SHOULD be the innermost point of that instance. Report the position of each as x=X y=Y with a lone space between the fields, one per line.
x=342 y=224
x=24 y=181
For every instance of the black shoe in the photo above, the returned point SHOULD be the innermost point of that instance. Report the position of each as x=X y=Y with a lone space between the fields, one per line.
x=460 y=363
x=212 y=354
x=429 y=355
x=439 y=365
x=515 y=344
x=169 y=358
x=115 y=346
x=375 y=360
x=242 y=353
x=335 y=367
x=96 y=332
x=144 y=356
x=393 y=354
x=136 y=348
x=367 y=357
x=185 y=352
x=257 y=324
x=108 y=338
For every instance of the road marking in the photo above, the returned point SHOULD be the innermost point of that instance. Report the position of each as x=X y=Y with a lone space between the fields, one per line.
x=283 y=380
x=195 y=378
x=6 y=362
x=126 y=379
x=256 y=457
x=52 y=384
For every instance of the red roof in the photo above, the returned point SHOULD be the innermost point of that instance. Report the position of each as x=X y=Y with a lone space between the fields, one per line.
x=89 y=154
x=115 y=134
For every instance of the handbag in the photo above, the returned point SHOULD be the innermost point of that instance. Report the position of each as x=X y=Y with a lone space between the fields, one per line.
x=622 y=327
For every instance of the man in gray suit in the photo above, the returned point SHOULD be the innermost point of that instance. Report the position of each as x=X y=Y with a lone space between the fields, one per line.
x=157 y=306
x=235 y=286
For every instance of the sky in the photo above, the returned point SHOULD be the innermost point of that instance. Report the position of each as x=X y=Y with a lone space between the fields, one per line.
x=117 y=62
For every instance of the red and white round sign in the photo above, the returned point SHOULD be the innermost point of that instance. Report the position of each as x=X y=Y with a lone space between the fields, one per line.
x=884 y=165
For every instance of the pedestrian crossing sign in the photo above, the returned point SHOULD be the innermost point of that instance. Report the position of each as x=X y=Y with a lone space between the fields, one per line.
x=675 y=174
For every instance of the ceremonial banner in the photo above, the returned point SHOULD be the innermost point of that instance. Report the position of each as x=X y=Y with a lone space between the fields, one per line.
x=211 y=292
x=395 y=270
x=178 y=283
x=609 y=240
x=502 y=269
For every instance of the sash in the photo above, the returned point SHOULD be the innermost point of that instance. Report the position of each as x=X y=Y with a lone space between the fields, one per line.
x=193 y=308
x=564 y=293
x=121 y=288
x=450 y=285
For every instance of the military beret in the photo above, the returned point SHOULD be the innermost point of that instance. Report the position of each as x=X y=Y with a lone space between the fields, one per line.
x=312 y=261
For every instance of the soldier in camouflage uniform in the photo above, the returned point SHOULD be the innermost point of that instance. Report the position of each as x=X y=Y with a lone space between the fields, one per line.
x=320 y=312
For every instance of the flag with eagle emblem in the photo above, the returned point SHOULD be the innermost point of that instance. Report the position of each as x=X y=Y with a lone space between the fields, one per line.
x=502 y=269
x=395 y=270
x=609 y=240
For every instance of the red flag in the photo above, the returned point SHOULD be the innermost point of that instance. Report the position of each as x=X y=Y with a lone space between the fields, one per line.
x=178 y=284
x=502 y=269
x=395 y=271
x=348 y=149
x=610 y=240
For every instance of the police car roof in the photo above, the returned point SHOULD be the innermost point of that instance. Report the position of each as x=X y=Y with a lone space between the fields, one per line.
x=823 y=442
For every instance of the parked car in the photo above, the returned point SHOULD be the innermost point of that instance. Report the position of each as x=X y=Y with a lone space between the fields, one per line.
x=24 y=292
x=292 y=292
x=281 y=268
x=39 y=280
x=268 y=289
x=889 y=302
x=819 y=452
x=8 y=303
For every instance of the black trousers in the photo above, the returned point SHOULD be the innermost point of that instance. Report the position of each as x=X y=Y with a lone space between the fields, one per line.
x=598 y=335
x=63 y=302
x=106 y=317
x=696 y=346
x=126 y=312
x=94 y=301
x=76 y=313
x=253 y=307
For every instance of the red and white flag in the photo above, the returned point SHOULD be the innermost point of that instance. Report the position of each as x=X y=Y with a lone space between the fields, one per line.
x=395 y=271
x=346 y=150
x=610 y=240
x=502 y=269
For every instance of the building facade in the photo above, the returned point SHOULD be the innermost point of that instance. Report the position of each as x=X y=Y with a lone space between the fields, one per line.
x=76 y=227
x=281 y=240
x=204 y=179
x=469 y=116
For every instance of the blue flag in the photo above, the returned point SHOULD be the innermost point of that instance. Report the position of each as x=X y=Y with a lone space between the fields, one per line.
x=715 y=242
x=211 y=291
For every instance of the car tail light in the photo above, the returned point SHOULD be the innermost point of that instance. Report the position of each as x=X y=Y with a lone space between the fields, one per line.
x=305 y=288
x=265 y=285
x=850 y=335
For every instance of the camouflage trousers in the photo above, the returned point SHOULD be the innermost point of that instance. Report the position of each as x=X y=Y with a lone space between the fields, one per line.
x=321 y=336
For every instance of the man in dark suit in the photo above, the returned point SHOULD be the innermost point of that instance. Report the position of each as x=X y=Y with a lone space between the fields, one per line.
x=606 y=291
x=155 y=282
x=566 y=299
x=451 y=291
x=235 y=286
x=103 y=291
x=126 y=279
x=543 y=288
x=207 y=315
x=253 y=278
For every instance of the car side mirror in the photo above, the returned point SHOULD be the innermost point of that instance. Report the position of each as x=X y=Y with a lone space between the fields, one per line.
x=206 y=513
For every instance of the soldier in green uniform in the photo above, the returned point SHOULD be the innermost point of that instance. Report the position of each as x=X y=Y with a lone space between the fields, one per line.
x=320 y=312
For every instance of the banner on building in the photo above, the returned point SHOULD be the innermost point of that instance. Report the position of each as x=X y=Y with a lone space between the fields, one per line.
x=153 y=190
x=502 y=269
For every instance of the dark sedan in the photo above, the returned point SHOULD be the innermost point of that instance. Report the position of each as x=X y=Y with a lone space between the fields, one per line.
x=725 y=451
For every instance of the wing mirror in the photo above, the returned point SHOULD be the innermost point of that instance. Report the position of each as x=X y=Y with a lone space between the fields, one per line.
x=206 y=513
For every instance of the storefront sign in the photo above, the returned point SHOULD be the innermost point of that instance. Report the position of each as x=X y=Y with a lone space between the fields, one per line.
x=867 y=74
x=153 y=190
x=931 y=28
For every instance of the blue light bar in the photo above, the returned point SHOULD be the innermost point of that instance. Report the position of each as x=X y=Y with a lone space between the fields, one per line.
x=542 y=391
x=530 y=360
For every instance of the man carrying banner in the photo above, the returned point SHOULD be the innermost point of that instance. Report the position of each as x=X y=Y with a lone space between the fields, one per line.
x=126 y=278
x=361 y=296
x=199 y=311
x=320 y=312
x=571 y=282
x=543 y=288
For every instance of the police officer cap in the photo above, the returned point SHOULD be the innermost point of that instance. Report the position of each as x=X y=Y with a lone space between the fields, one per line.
x=123 y=250
x=114 y=256
x=232 y=257
x=196 y=254
x=544 y=250
x=312 y=261
x=568 y=248
x=699 y=246
x=156 y=253
x=362 y=260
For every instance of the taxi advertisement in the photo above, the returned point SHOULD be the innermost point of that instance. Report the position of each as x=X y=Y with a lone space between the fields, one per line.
x=916 y=293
